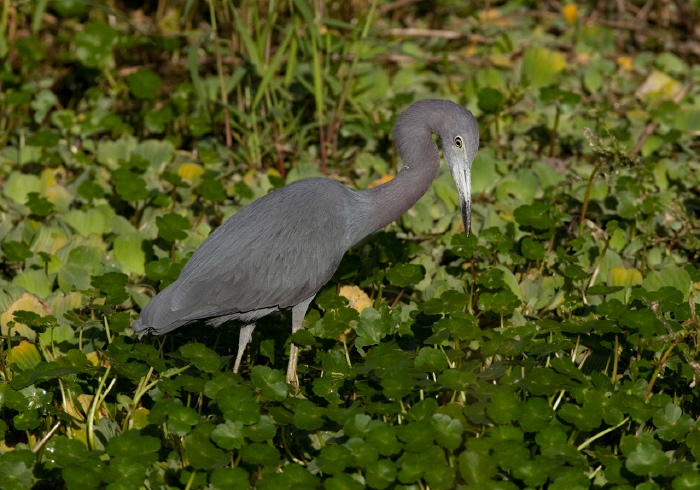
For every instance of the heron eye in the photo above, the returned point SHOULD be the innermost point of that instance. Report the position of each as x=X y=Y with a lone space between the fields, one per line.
x=458 y=142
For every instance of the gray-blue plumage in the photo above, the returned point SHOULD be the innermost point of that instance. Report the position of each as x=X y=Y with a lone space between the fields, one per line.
x=277 y=252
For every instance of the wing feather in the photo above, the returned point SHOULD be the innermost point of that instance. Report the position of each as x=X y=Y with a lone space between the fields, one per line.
x=275 y=253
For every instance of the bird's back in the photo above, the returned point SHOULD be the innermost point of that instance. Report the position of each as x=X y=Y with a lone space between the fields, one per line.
x=274 y=253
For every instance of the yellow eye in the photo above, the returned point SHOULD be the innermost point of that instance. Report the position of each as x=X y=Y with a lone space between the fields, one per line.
x=458 y=142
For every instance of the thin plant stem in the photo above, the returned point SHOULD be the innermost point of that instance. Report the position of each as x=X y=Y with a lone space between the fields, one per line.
x=600 y=434
x=658 y=369
x=587 y=197
x=96 y=401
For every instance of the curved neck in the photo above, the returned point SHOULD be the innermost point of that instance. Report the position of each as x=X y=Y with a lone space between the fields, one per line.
x=421 y=161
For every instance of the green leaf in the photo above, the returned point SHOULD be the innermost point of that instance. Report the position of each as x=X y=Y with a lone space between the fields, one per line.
x=456 y=379
x=271 y=382
x=38 y=204
x=158 y=120
x=417 y=436
x=544 y=381
x=534 y=216
x=211 y=190
x=237 y=404
x=112 y=284
x=129 y=252
x=228 y=435
x=181 y=419
x=333 y=459
x=129 y=185
x=448 y=431
x=404 y=275
x=502 y=303
x=531 y=249
x=585 y=419
x=693 y=440
x=381 y=474
x=230 y=478
x=90 y=190
x=144 y=84
x=308 y=416
x=18 y=186
x=397 y=385
x=261 y=454
x=202 y=454
x=16 y=251
x=673 y=277
x=263 y=430
x=16 y=468
x=687 y=481
x=490 y=100
x=62 y=452
x=370 y=329
x=601 y=290
x=643 y=321
x=94 y=44
x=505 y=407
x=673 y=424
x=647 y=460
x=132 y=445
x=532 y=472
x=171 y=227
x=202 y=357
x=541 y=65
x=431 y=360
x=27 y=420
x=362 y=452
x=343 y=481
x=491 y=278
x=476 y=469
x=383 y=437
x=84 y=476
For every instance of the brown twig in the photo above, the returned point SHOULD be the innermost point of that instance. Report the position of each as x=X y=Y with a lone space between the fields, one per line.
x=395 y=5
x=435 y=33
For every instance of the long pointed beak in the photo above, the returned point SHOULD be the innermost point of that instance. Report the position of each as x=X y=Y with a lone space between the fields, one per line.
x=462 y=175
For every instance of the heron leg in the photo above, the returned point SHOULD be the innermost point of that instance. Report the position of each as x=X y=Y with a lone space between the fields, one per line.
x=243 y=340
x=298 y=314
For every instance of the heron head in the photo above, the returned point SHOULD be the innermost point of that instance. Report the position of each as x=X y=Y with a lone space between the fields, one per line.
x=459 y=137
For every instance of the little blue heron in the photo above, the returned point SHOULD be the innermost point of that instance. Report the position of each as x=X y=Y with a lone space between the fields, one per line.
x=277 y=252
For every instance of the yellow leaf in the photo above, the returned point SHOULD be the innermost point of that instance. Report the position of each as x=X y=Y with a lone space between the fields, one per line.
x=356 y=297
x=48 y=178
x=93 y=357
x=189 y=171
x=59 y=197
x=273 y=172
x=493 y=17
x=619 y=276
x=85 y=401
x=570 y=13
x=140 y=418
x=487 y=15
x=27 y=302
x=658 y=85
x=501 y=60
x=251 y=178
x=625 y=62
x=540 y=65
x=25 y=355
x=381 y=180
x=583 y=58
